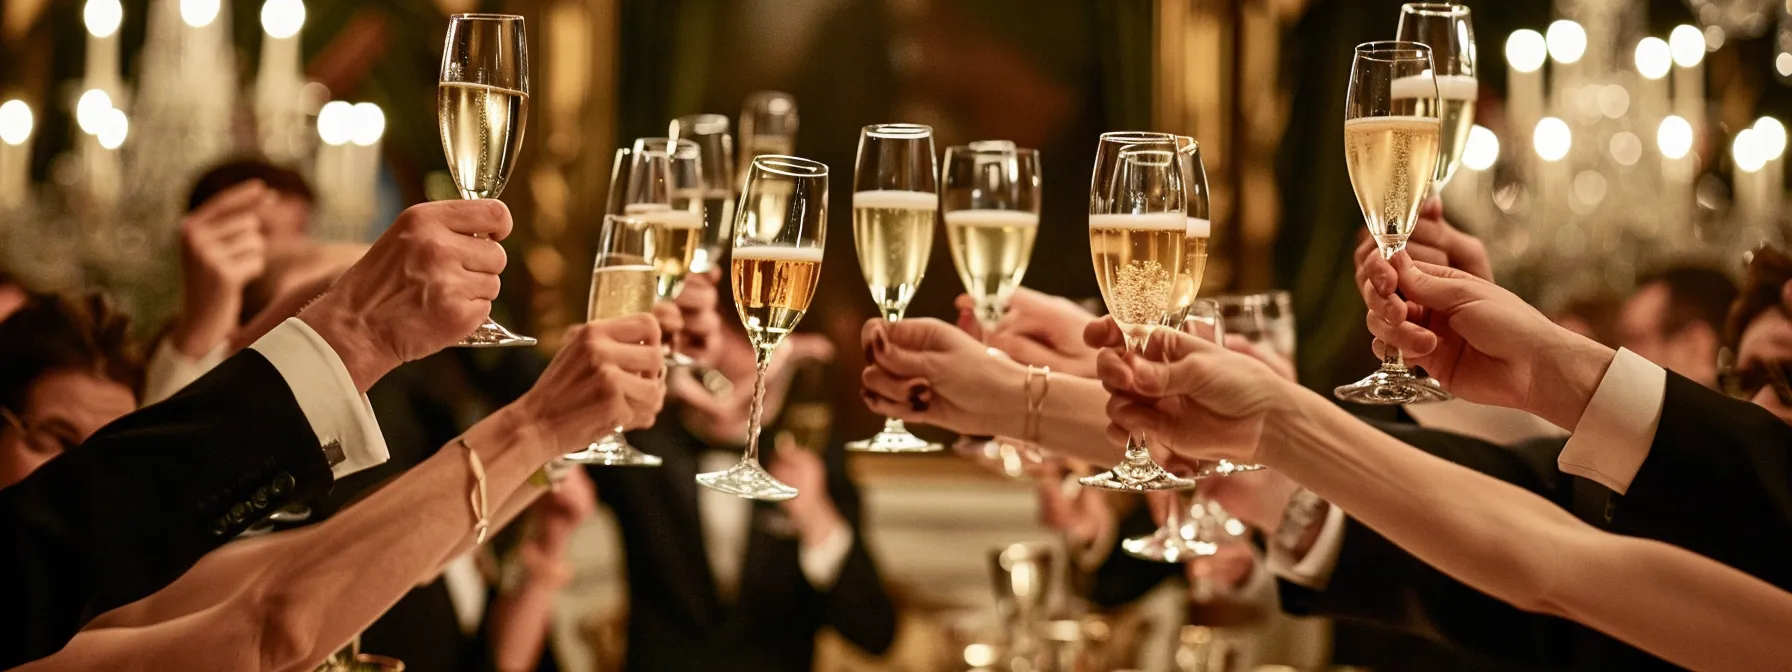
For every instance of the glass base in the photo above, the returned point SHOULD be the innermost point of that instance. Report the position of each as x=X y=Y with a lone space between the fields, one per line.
x=1393 y=387
x=612 y=451
x=1226 y=468
x=898 y=441
x=747 y=480
x=1168 y=545
x=1129 y=477
x=494 y=335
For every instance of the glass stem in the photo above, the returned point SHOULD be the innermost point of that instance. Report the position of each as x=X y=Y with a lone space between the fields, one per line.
x=1391 y=357
x=1136 y=452
x=762 y=357
x=1178 y=509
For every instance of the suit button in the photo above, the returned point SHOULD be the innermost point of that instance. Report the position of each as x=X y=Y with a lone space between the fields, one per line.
x=282 y=483
x=220 y=527
x=1611 y=508
x=259 y=499
x=238 y=512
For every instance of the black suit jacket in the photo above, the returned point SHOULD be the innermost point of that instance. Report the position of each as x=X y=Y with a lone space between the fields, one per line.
x=1715 y=482
x=676 y=619
x=134 y=507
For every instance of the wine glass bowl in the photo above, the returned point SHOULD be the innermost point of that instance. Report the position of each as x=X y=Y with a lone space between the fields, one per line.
x=622 y=283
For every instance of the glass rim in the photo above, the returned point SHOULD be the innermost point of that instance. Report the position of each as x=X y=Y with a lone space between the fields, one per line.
x=1443 y=9
x=678 y=147
x=707 y=123
x=1139 y=155
x=1137 y=137
x=898 y=131
x=983 y=151
x=481 y=16
x=789 y=166
x=1393 y=51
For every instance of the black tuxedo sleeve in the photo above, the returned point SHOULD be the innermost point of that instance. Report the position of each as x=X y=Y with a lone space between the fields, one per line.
x=857 y=606
x=133 y=508
x=1377 y=582
x=1718 y=482
x=1122 y=578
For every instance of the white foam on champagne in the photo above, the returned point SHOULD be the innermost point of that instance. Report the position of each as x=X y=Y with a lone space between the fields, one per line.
x=994 y=218
x=1449 y=87
x=674 y=219
x=1416 y=123
x=644 y=208
x=636 y=268
x=778 y=253
x=1199 y=228
x=1156 y=221
x=897 y=200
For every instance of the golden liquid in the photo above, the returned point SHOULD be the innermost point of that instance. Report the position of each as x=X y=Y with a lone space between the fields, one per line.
x=1454 y=107
x=1457 y=118
x=893 y=233
x=991 y=249
x=1137 y=261
x=617 y=291
x=1188 y=282
x=772 y=289
x=673 y=238
x=1392 y=161
x=482 y=132
x=718 y=229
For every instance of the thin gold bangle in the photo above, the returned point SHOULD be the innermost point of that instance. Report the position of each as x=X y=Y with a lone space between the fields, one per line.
x=1035 y=400
x=477 y=497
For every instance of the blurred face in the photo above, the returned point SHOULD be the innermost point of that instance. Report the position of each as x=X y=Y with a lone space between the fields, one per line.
x=284 y=221
x=61 y=410
x=1690 y=352
x=1767 y=341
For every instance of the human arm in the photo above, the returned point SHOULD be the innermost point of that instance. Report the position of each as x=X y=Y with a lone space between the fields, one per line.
x=521 y=617
x=1037 y=329
x=854 y=600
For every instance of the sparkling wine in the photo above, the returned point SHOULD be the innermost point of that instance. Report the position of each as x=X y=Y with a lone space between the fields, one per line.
x=1194 y=266
x=893 y=232
x=1456 y=95
x=673 y=238
x=718 y=229
x=617 y=291
x=772 y=288
x=1392 y=162
x=482 y=131
x=1137 y=261
x=991 y=248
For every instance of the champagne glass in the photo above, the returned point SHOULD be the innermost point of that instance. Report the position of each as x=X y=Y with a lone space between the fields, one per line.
x=1199 y=229
x=1391 y=139
x=780 y=230
x=1138 y=224
x=1445 y=27
x=716 y=149
x=767 y=126
x=895 y=201
x=666 y=188
x=622 y=284
x=1174 y=541
x=482 y=105
x=1264 y=321
x=990 y=200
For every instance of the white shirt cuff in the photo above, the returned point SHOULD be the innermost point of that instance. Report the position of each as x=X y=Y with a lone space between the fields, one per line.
x=1615 y=432
x=822 y=562
x=1314 y=570
x=341 y=417
x=170 y=370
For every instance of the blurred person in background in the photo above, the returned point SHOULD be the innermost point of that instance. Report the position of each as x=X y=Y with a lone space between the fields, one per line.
x=67 y=367
x=1759 y=335
x=1676 y=319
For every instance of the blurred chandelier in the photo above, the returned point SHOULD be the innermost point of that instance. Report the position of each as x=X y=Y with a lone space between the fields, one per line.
x=1737 y=18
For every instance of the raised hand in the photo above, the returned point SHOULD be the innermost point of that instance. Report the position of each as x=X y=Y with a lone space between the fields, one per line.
x=924 y=370
x=222 y=249
x=1433 y=241
x=721 y=417
x=1038 y=330
x=1482 y=342
x=424 y=285
x=606 y=375
x=812 y=510
x=697 y=304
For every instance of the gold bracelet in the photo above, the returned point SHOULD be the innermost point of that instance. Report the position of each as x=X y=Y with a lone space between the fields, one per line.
x=1035 y=399
x=481 y=504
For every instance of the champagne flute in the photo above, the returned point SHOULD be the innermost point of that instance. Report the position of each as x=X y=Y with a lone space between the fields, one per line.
x=716 y=149
x=895 y=201
x=1266 y=321
x=622 y=284
x=780 y=230
x=767 y=126
x=482 y=105
x=1446 y=28
x=1174 y=541
x=1199 y=229
x=666 y=189
x=1391 y=139
x=990 y=200
x=1138 y=224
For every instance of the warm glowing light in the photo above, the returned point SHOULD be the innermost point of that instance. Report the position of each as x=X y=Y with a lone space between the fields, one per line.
x=335 y=122
x=1626 y=148
x=1772 y=136
x=283 y=18
x=88 y=110
x=114 y=126
x=1746 y=151
x=1688 y=45
x=1714 y=37
x=980 y=655
x=199 y=13
x=369 y=123
x=1674 y=137
x=1525 y=50
x=1567 y=41
x=102 y=17
x=1482 y=150
x=15 y=122
x=1654 y=58
x=1783 y=64
x=1552 y=139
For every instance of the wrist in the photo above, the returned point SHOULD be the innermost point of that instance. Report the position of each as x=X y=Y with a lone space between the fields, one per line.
x=816 y=522
x=350 y=336
x=1293 y=412
x=1008 y=416
x=1566 y=378
x=206 y=320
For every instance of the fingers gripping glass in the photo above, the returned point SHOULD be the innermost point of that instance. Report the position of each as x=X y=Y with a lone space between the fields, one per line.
x=895 y=201
x=780 y=229
x=1138 y=225
x=622 y=284
x=1391 y=144
x=1446 y=28
x=990 y=196
x=482 y=105
x=665 y=188
x=1174 y=540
